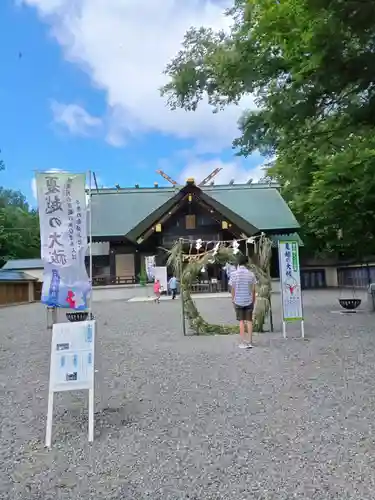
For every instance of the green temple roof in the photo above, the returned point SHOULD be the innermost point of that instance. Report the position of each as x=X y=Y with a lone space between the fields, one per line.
x=117 y=212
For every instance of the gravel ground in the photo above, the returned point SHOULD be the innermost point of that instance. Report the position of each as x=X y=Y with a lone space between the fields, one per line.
x=194 y=417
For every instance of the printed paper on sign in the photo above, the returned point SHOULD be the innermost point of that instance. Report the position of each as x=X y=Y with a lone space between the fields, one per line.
x=63 y=231
x=72 y=367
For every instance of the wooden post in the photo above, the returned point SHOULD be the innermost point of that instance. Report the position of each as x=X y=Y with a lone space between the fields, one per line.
x=181 y=290
x=270 y=313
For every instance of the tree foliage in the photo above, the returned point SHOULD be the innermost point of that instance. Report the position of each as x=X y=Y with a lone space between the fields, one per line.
x=308 y=64
x=19 y=227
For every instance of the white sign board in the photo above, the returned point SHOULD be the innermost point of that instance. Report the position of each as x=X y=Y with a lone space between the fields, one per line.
x=290 y=282
x=161 y=275
x=72 y=356
x=72 y=366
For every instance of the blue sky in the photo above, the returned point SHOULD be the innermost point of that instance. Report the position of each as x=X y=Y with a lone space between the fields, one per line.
x=84 y=94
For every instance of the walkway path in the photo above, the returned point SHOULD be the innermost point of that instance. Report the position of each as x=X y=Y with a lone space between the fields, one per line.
x=148 y=298
x=194 y=417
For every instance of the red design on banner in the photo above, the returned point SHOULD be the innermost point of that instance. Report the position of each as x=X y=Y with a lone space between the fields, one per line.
x=70 y=299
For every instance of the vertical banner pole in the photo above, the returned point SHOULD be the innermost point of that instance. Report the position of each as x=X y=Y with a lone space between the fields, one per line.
x=281 y=290
x=91 y=415
x=49 y=419
x=284 y=329
x=90 y=244
x=92 y=394
x=51 y=317
x=302 y=313
x=270 y=300
x=98 y=362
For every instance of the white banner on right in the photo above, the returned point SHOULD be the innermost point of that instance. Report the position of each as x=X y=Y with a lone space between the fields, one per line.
x=290 y=283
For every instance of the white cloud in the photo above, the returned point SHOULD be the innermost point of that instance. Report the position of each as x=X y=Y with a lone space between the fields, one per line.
x=75 y=119
x=33 y=188
x=124 y=45
x=230 y=170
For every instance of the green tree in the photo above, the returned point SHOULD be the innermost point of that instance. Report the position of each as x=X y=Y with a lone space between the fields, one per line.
x=309 y=67
x=19 y=226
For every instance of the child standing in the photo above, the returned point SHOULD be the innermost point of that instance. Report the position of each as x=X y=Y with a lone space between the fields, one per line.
x=243 y=296
x=157 y=291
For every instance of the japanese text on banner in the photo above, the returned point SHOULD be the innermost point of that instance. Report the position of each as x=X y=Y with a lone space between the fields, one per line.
x=290 y=281
x=62 y=213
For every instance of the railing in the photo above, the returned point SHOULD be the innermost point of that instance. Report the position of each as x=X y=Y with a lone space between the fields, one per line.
x=113 y=280
x=214 y=286
x=206 y=286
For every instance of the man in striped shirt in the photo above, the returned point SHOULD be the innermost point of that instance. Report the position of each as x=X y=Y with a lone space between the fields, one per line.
x=243 y=296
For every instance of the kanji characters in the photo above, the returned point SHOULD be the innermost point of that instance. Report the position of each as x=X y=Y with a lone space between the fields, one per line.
x=53 y=204
x=55 y=222
x=51 y=185
x=55 y=240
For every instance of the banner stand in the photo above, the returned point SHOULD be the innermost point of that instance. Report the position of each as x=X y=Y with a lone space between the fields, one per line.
x=302 y=329
x=290 y=284
x=63 y=205
x=72 y=367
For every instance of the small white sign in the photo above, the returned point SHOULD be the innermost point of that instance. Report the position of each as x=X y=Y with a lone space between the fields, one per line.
x=290 y=281
x=160 y=273
x=72 y=356
x=72 y=366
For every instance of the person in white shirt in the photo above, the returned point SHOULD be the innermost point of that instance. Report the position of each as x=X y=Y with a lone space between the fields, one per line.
x=243 y=297
x=173 y=286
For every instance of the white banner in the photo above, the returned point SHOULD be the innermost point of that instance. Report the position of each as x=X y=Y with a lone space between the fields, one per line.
x=63 y=233
x=290 y=281
x=150 y=266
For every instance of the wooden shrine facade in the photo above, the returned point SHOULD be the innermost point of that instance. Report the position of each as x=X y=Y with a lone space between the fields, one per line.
x=189 y=213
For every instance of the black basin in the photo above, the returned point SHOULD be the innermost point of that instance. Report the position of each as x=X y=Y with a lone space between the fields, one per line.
x=350 y=304
x=77 y=316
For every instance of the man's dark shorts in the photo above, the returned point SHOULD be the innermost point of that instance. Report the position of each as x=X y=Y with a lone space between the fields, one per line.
x=244 y=313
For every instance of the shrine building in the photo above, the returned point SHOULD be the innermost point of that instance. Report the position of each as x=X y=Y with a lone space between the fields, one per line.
x=131 y=223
